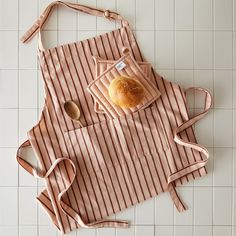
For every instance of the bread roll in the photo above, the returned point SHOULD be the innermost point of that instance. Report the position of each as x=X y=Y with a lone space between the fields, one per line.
x=126 y=92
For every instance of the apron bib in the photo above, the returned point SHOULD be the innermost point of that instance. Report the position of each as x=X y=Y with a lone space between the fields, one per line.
x=111 y=163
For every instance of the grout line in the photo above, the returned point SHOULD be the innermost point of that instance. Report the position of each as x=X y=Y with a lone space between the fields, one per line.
x=155 y=48
x=156 y=68
x=134 y=29
x=174 y=64
x=18 y=112
x=213 y=115
x=182 y=186
x=196 y=30
x=233 y=128
x=37 y=206
x=76 y=30
x=38 y=227
x=216 y=147
x=194 y=104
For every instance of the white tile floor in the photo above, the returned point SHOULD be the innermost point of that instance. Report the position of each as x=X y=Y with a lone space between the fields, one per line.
x=192 y=42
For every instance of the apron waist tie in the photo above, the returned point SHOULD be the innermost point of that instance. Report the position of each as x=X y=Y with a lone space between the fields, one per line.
x=64 y=207
x=196 y=165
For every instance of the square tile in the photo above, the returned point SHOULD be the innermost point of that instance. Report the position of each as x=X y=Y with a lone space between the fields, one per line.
x=222 y=205
x=9 y=133
x=203 y=13
x=28 y=231
x=41 y=91
x=164 y=49
x=203 y=41
x=127 y=214
x=8 y=157
x=49 y=38
x=223 y=50
x=8 y=15
x=222 y=230
x=223 y=82
x=27 y=201
x=204 y=129
x=86 y=34
x=26 y=17
x=42 y=216
x=72 y=233
x=184 y=49
x=26 y=179
x=67 y=18
x=183 y=231
x=185 y=217
x=185 y=79
x=184 y=19
x=145 y=212
x=234 y=89
x=48 y=230
x=234 y=50
x=8 y=49
x=28 y=53
x=234 y=208
x=164 y=14
x=204 y=79
x=145 y=15
x=223 y=132
x=127 y=13
x=51 y=23
x=65 y=37
x=9 y=88
x=164 y=210
x=126 y=231
x=146 y=43
x=167 y=74
x=234 y=128
x=144 y=230
x=9 y=231
x=164 y=230
x=87 y=232
x=203 y=230
x=102 y=22
x=8 y=206
x=208 y=179
x=203 y=209
x=85 y=21
x=27 y=119
x=223 y=167
x=234 y=163
x=28 y=94
x=223 y=14
x=106 y=232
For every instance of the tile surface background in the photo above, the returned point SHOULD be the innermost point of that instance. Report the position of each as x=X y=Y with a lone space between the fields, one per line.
x=191 y=42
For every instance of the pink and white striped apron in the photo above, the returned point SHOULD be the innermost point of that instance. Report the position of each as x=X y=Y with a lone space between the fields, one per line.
x=109 y=164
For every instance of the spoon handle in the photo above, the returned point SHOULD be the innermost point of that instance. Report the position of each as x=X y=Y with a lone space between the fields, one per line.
x=80 y=123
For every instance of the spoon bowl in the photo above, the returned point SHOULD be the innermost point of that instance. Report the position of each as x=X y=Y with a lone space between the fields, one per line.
x=73 y=111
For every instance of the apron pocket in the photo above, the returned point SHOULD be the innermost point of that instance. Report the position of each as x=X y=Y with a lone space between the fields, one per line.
x=117 y=141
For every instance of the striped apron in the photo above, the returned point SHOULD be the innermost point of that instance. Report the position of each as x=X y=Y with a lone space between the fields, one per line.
x=109 y=164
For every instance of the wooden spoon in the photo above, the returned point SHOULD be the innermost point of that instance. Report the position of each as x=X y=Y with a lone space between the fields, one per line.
x=73 y=111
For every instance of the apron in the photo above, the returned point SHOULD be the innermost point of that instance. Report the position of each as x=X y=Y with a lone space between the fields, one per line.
x=109 y=164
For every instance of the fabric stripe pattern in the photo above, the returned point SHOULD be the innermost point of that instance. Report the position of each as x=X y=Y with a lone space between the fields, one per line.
x=113 y=162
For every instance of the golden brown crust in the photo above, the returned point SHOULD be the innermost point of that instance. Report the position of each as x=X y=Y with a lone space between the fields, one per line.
x=126 y=92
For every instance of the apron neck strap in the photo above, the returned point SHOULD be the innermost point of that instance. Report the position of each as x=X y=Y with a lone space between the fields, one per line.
x=37 y=26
